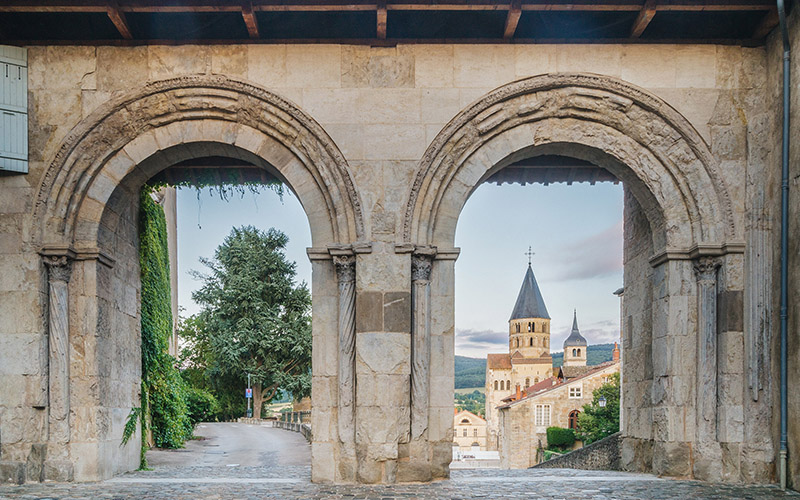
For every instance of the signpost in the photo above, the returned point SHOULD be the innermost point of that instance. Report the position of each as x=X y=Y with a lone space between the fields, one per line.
x=248 y=393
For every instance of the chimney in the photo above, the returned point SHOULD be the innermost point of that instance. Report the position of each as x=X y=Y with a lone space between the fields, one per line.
x=519 y=393
x=615 y=353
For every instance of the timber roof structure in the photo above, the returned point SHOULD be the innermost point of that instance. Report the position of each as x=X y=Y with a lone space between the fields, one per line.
x=385 y=22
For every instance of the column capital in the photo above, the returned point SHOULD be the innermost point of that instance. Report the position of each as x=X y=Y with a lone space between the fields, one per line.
x=59 y=267
x=345 y=268
x=705 y=268
x=421 y=267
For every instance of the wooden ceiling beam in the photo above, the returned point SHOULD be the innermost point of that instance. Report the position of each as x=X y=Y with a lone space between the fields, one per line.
x=167 y=6
x=646 y=15
x=766 y=25
x=250 y=20
x=381 y=19
x=118 y=18
x=512 y=19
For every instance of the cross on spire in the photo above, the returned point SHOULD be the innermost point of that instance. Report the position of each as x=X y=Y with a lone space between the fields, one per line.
x=530 y=253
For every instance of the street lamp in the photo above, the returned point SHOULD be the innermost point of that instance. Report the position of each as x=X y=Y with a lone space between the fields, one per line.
x=602 y=401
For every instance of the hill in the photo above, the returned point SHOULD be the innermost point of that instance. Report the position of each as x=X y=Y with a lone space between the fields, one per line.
x=471 y=372
x=598 y=353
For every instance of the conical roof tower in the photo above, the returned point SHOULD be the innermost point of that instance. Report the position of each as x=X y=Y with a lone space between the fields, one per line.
x=529 y=325
x=530 y=303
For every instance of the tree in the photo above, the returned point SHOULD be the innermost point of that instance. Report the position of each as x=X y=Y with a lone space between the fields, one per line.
x=255 y=318
x=597 y=422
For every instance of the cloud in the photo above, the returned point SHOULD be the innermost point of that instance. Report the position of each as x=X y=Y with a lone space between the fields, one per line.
x=594 y=256
x=599 y=332
x=481 y=339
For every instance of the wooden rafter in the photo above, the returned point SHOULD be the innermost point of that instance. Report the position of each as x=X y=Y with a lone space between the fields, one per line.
x=646 y=15
x=512 y=19
x=118 y=18
x=381 y=19
x=766 y=25
x=250 y=20
x=162 y=6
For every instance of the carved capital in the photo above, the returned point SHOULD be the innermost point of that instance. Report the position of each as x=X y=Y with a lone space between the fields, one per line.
x=421 y=267
x=59 y=267
x=706 y=270
x=345 y=268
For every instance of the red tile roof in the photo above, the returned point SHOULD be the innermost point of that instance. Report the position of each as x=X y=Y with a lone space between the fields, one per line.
x=498 y=362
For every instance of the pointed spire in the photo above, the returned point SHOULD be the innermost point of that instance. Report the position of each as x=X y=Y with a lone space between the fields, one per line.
x=575 y=338
x=530 y=303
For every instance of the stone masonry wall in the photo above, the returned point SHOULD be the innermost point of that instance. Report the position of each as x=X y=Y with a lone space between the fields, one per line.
x=600 y=455
x=382 y=107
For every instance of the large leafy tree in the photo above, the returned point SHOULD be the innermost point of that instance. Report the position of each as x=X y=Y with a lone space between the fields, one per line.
x=597 y=422
x=255 y=318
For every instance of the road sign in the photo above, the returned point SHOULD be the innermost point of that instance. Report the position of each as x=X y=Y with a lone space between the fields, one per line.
x=248 y=393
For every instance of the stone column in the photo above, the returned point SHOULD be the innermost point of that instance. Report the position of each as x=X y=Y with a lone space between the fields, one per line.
x=420 y=344
x=57 y=467
x=706 y=270
x=346 y=277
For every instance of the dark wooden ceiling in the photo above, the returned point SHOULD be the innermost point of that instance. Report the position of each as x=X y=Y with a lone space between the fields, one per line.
x=386 y=22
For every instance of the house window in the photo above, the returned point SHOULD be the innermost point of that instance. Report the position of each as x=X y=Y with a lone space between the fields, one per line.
x=465 y=421
x=536 y=380
x=464 y=434
x=527 y=382
x=573 y=419
x=542 y=416
x=474 y=432
x=575 y=392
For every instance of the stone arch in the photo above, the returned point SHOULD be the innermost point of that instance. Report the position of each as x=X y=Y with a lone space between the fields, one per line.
x=627 y=130
x=134 y=136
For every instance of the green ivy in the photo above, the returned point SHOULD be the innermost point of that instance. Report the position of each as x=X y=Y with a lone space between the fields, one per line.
x=164 y=393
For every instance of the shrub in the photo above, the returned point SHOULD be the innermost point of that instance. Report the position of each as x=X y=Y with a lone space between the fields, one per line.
x=559 y=437
x=203 y=406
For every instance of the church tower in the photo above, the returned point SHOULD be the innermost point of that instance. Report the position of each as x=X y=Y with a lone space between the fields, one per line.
x=575 y=345
x=529 y=326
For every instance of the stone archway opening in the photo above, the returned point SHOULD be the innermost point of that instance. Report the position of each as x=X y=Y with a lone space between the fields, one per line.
x=87 y=212
x=683 y=250
x=569 y=212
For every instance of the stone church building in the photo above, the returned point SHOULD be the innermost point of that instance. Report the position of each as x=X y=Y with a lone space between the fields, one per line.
x=383 y=118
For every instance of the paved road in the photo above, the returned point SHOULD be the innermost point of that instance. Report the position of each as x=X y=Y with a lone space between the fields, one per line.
x=273 y=464
x=235 y=445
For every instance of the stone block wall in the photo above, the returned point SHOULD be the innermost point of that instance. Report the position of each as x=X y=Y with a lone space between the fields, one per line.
x=381 y=107
x=600 y=455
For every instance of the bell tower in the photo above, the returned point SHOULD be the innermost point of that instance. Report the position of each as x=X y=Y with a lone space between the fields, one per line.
x=529 y=325
x=575 y=345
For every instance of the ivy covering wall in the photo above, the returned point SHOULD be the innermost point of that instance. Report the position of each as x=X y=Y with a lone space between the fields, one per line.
x=164 y=393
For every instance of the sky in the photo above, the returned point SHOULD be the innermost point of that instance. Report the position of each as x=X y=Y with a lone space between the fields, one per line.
x=575 y=232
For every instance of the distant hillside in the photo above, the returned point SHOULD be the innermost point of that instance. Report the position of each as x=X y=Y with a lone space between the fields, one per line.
x=471 y=372
x=598 y=353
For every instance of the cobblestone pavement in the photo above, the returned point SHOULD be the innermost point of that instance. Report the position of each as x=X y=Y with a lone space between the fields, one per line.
x=204 y=470
x=293 y=483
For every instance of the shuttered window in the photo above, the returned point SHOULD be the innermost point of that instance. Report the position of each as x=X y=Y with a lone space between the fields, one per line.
x=13 y=109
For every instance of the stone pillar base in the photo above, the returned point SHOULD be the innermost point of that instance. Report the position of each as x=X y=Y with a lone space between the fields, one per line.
x=12 y=472
x=59 y=471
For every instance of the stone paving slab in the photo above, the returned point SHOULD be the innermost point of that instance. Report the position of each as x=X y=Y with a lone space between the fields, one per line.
x=293 y=483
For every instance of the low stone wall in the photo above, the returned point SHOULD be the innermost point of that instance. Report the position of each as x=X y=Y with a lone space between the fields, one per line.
x=600 y=455
x=304 y=429
x=253 y=421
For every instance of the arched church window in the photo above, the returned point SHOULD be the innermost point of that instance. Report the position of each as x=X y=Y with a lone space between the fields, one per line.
x=531 y=342
x=529 y=327
x=495 y=385
x=527 y=382
x=517 y=327
x=573 y=419
x=517 y=342
x=465 y=421
x=579 y=352
x=508 y=385
x=536 y=380
x=574 y=352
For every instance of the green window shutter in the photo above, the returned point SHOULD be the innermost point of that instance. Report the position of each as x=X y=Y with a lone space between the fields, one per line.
x=13 y=109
